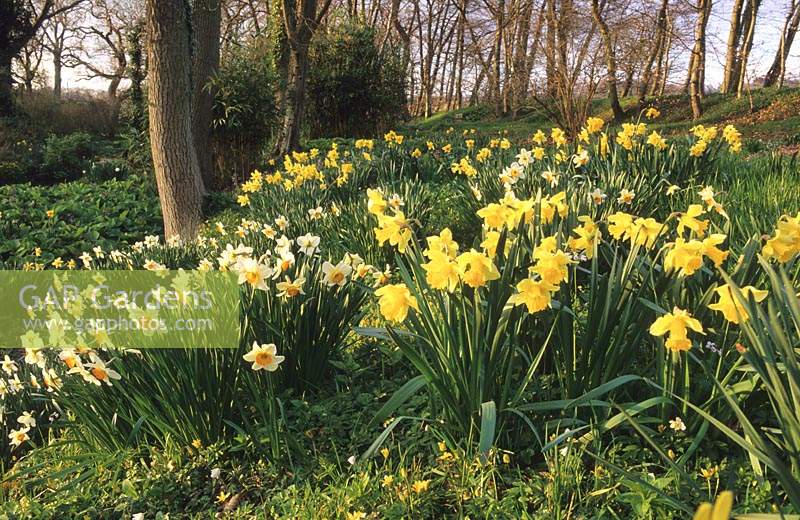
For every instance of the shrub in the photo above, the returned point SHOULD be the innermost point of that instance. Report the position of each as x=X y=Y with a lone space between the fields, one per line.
x=68 y=157
x=355 y=86
x=76 y=111
x=244 y=110
x=107 y=169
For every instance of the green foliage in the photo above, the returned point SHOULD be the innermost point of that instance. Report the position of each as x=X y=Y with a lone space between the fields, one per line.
x=244 y=110
x=567 y=411
x=355 y=89
x=67 y=158
x=86 y=215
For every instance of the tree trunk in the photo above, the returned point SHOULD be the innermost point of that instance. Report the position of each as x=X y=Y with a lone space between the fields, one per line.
x=57 y=72
x=206 y=19
x=777 y=71
x=294 y=112
x=734 y=35
x=170 y=103
x=6 y=84
x=696 y=71
x=281 y=54
x=550 y=49
x=655 y=52
x=747 y=45
x=497 y=93
x=519 y=79
x=611 y=62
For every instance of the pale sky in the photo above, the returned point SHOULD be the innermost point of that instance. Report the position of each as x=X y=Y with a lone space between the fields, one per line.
x=770 y=24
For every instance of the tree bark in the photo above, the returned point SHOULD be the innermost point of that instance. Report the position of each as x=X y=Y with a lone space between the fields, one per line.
x=655 y=52
x=734 y=35
x=6 y=82
x=611 y=62
x=206 y=24
x=170 y=103
x=747 y=45
x=300 y=20
x=777 y=71
x=697 y=69
x=57 y=65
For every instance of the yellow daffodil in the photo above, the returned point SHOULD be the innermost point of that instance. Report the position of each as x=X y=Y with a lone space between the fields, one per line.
x=534 y=294
x=594 y=125
x=494 y=215
x=689 y=221
x=711 y=250
x=376 y=203
x=620 y=225
x=394 y=301
x=476 y=269
x=652 y=113
x=730 y=306
x=395 y=230
x=588 y=235
x=686 y=256
x=721 y=510
x=551 y=266
x=786 y=242
x=645 y=231
x=441 y=271
x=420 y=486
x=443 y=243
x=676 y=324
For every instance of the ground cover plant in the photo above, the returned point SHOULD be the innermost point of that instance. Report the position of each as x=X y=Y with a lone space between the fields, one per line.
x=435 y=324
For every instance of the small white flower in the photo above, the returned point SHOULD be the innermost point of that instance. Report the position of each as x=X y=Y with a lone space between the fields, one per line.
x=677 y=425
x=315 y=213
x=264 y=357
x=215 y=473
x=335 y=274
x=308 y=243
x=598 y=197
x=27 y=420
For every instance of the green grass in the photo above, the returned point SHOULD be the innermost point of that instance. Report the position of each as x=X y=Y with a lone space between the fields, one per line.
x=771 y=116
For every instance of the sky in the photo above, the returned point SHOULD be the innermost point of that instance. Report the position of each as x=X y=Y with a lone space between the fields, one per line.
x=766 y=40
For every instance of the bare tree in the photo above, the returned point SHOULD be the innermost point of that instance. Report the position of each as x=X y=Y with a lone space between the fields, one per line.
x=777 y=71
x=740 y=42
x=20 y=20
x=300 y=19
x=103 y=41
x=28 y=64
x=611 y=61
x=697 y=63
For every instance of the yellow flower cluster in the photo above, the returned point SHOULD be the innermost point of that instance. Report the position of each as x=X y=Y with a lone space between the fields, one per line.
x=626 y=137
x=393 y=138
x=464 y=167
x=551 y=268
x=785 y=244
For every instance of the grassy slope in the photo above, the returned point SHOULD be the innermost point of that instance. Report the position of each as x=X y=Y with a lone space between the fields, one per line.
x=765 y=114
